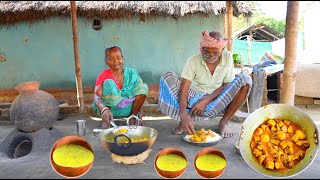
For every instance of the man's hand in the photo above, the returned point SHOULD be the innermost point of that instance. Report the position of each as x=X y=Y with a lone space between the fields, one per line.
x=107 y=116
x=199 y=107
x=187 y=123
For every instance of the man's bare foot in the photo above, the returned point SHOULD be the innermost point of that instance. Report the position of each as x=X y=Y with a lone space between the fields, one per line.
x=225 y=131
x=178 y=130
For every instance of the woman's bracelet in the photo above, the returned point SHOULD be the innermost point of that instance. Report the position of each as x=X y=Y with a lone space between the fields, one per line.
x=104 y=109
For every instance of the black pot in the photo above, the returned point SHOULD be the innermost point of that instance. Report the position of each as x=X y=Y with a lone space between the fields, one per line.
x=110 y=140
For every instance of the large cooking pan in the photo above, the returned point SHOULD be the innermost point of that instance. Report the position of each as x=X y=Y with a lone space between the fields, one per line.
x=292 y=113
x=110 y=140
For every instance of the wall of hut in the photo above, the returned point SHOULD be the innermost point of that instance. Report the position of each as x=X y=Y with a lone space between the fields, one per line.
x=43 y=51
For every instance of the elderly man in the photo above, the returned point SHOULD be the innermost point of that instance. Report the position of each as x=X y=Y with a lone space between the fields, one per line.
x=207 y=87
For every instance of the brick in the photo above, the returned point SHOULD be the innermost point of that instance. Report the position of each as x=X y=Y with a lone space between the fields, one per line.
x=303 y=100
x=69 y=109
x=5 y=105
x=5 y=112
x=89 y=110
x=5 y=121
x=316 y=101
x=153 y=97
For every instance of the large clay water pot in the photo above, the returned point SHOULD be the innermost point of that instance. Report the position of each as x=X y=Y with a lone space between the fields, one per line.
x=33 y=109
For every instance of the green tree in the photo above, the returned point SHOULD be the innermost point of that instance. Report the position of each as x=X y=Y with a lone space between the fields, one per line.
x=258 y=17
x=279 y=26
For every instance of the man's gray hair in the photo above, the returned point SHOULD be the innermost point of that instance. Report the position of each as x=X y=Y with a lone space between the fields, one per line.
x=216 y=35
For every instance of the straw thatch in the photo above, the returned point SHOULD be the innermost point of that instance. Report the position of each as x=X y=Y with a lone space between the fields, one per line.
x=16 y=11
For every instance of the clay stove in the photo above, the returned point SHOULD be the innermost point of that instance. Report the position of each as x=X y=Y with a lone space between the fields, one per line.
x=33 y=114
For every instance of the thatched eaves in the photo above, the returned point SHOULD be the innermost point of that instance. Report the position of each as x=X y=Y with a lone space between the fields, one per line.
x=16 y=11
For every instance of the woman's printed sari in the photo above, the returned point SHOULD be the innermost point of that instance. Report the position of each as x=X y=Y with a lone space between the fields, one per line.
x=112 y=95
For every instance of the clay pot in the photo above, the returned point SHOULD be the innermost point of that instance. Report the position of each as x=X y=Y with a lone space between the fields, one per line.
x=33 y=109
x=209 y=174
x=169 y=174
x=69 y=172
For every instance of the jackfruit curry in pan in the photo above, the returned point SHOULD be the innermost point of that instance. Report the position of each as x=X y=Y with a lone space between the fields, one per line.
x=279 y=144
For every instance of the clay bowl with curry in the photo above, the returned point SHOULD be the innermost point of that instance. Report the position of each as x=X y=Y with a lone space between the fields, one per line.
x=71 y=156
x=210 y=163
x=170 y=163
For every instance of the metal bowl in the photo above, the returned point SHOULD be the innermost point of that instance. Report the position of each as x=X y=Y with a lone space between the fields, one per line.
x=291 y=113
x=110 y=140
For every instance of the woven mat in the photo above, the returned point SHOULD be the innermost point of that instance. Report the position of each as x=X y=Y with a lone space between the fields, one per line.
x=137 y=159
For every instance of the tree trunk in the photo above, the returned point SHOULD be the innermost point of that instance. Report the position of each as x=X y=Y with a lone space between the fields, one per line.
x=290 y=65
x=76 y=56
x=230 y=29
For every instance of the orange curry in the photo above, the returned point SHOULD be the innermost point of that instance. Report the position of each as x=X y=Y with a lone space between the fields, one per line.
x=279 y=144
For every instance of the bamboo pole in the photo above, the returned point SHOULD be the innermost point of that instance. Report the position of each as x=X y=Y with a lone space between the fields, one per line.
x=230 y=29
x=76 y=56
x=225 y=25
x=290 y=64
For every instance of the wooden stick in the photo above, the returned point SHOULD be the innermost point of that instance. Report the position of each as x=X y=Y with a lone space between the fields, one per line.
x=249 y=38
x=290 y=64
x=225 y=25
x=76 y=56
x=230 y=29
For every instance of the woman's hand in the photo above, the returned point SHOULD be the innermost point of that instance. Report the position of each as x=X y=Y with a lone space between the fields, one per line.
x=134 y=121
x=106 y=116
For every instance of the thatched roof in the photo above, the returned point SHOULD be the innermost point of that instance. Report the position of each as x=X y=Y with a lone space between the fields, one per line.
x=17 y=11
x=260 y=32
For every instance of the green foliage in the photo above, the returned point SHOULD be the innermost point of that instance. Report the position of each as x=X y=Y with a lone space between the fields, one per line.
x=236 y=59
x=258 y=17
x=279 y=26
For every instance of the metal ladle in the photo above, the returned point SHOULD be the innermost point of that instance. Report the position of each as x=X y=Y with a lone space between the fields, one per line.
x=97 y=130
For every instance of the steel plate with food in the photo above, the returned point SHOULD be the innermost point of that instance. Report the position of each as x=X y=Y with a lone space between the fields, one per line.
x=203 y=138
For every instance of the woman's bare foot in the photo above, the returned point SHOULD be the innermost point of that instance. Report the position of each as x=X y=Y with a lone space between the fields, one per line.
x=225 y=131
x=178 y=130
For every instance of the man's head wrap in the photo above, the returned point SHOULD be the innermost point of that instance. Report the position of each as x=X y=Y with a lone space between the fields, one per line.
x=208 y=41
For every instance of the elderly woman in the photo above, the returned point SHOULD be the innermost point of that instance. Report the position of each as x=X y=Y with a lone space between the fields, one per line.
x=119 y=91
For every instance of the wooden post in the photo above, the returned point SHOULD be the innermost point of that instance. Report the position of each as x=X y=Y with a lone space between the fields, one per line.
x=76 y=56
x=230 y=29
x=249 y=38
x=290 y=64
x=225 y=25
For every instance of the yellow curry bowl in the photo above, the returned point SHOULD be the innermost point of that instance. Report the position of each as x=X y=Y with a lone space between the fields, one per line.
x=210 y=163
x=74 y=165
x=170 y=163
